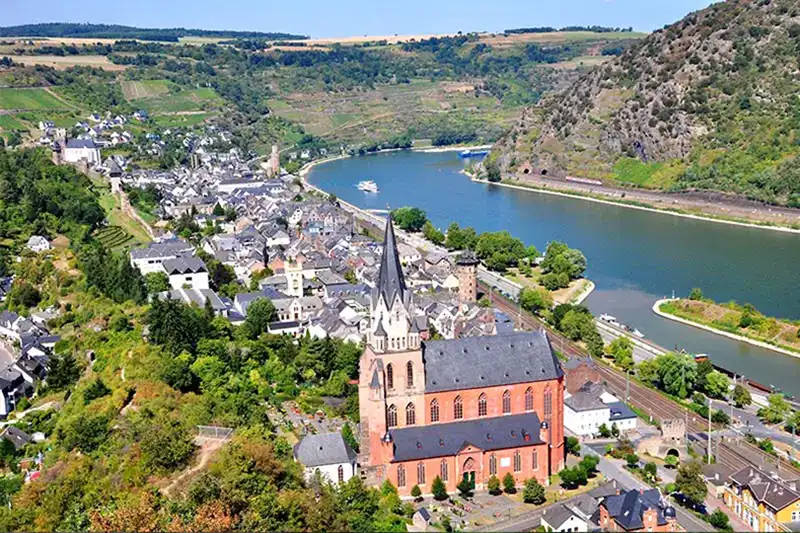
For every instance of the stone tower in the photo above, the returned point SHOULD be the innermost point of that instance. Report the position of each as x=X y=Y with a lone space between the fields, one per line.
x=274 y=162
x=467 y=274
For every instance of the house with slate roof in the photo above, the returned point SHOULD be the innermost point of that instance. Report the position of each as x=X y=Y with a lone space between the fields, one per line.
x=186 y=271
x=637 y=510
x=327 y=454
x=763 y=501
x=461 y=409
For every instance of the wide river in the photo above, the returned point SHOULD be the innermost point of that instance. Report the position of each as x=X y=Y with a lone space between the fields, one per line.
x=634 y=257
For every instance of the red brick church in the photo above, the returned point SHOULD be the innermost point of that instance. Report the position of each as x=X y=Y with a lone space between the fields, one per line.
x=460 y=409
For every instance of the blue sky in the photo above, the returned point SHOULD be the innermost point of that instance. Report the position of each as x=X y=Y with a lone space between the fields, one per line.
x=338 y=18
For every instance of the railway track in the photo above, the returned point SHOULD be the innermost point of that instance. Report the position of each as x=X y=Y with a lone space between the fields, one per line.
x=650 y=401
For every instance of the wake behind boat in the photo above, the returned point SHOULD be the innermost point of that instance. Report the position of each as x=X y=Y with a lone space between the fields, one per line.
x=367 y=186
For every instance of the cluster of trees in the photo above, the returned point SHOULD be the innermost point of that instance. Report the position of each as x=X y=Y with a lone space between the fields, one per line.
x=498 y=250
x=116 y=31
x=577 y=323
x=111 y=273
x=679 y=375
x=550 y=29
x=580 y=473
x=409 y=218
x=40 y=198
x=560 y=265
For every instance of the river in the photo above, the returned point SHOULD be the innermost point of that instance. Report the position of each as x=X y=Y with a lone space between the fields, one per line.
x=634 y=257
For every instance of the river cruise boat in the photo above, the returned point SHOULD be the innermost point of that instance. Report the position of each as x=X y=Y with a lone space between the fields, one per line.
x=367 y=186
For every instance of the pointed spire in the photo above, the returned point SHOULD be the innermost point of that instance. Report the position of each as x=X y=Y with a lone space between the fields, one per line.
x=390 y=278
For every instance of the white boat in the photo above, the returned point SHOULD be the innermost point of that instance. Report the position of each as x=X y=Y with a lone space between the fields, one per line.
x=367 y=186
x=610 y=319
x=638 y=333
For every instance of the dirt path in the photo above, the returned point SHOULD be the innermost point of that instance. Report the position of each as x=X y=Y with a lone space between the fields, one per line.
x=208 y=447
x=52 y=93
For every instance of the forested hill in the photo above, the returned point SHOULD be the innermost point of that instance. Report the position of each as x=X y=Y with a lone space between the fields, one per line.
x=115 y=31
x=710 y=102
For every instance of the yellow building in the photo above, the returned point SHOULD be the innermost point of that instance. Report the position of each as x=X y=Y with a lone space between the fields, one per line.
x=761 y=501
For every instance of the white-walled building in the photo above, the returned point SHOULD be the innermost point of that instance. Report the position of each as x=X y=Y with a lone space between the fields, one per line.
x=563 y=518
x=328 y=454
x=37 y=244
x=150 y=258
x=588 y=409
x=186 y=271
x=78 y=150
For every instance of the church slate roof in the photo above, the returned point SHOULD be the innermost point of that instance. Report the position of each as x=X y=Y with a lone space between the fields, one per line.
x=440 y=440
x=391 y=282
x=475 y=362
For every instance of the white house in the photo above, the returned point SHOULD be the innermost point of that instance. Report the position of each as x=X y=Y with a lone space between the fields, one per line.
x=150 y=258
x=186 y=271
x=78 y=150
x=328 y=454
x=563 y=518
x=589 y=408
x=229 y=186
x=584 y=413
x=37 y=244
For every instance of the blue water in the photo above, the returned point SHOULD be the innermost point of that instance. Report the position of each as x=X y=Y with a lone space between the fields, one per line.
x=634 y=257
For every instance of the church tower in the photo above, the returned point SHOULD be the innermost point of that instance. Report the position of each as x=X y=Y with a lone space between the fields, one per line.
x=392 y=375
x=467 y=274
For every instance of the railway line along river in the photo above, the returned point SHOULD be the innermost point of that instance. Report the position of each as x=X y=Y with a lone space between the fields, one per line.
x=635 y=257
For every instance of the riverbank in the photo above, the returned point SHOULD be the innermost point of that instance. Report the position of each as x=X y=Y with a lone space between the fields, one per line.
x=589 y=193
x=741 y=338
x=428 y=150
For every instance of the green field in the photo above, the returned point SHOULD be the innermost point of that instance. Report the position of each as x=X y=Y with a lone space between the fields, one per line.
x=191 y=100
x=135 y=89
x=10 y=122
x=13 y=98
x=173 y=121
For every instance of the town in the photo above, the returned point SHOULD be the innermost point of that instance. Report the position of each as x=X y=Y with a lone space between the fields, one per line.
x=493 y=280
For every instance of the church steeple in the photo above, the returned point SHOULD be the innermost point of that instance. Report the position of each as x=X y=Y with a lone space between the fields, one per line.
x=392 y=307
x=391 y=282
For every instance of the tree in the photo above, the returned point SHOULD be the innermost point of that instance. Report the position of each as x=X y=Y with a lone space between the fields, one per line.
x=690 y=482
x=776 y=410
x=671 y=460
x=260 y=313
x=166 y=444
x=614 y=430
x=533 y=492
x=416 y=493
x=460 y=239
x=509 y=484
x=676 y=373
x=717 y=384
x=430 y=232
x=573 y=446
x=349 y=438
x=156 y=282
x=438 y=489
x=589 y=465
x=696 y=294
x=533 y=300
x=719 y=520
x=603 y=431
x=493 y=173
x=409 y=218
x=95 y=389
x=24 y=295
x=621 y=349
x=741 y=396
x=62 y=371
x=561 y=259
x=493 y=485
x=632 y=460
x=464 y=488
x=720 y=417
x=651 y=471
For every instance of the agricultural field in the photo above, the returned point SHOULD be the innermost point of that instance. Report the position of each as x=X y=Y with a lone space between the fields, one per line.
x=16 y=98
x=180 y=102
x=10 y=123
x=182 y=120
x=113 y=237
x=135 y=89
x=63 y=62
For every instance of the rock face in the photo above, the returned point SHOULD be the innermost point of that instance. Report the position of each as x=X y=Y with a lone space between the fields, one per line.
x=721 y=79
